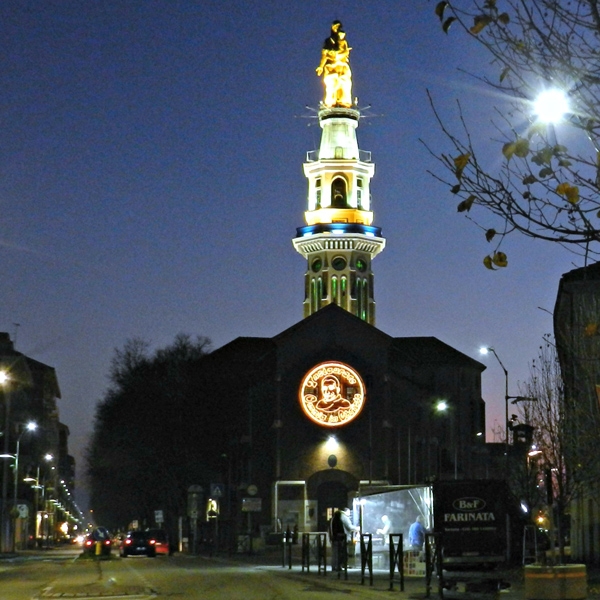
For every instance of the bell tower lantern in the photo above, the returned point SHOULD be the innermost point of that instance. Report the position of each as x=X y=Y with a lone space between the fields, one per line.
x=339 y=240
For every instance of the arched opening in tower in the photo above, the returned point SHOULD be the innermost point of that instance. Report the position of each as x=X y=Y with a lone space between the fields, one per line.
x=339 y=193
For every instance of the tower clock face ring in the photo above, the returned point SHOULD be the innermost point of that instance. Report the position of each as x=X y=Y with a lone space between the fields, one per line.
x=332 y=394
x=339 y=263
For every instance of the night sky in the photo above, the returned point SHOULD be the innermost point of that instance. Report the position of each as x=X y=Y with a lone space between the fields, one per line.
x=151 y=182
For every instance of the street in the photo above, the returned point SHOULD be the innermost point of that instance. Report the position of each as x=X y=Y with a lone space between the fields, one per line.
x=60 y=573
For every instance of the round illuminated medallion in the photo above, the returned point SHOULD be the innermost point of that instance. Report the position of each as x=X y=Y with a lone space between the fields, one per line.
x=332 y=394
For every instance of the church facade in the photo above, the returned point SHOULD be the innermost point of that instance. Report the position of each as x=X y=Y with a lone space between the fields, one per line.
x=333 y=406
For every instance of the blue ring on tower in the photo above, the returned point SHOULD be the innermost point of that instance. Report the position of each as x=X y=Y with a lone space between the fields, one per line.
x=338 y=228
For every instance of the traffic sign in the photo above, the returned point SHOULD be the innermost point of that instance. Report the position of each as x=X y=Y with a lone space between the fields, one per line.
x=217 y=490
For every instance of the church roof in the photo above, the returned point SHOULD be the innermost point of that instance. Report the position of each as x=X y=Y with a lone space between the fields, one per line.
x=430 y=350
x=330 y=320
x=336 y=326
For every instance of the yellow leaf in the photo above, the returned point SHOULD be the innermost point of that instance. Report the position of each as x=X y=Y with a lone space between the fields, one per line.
x=499 y=259
x=570 y=192
x=489 y=234
x=573 y=194
x=521 y=148
x=504 y=73
x=509 y=149
x=590 y=329
x=460 y=162
x=504 y=18
x=480 y=22
x=487 y=262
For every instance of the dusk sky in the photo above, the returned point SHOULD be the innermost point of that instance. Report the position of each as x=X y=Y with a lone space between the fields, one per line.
x=151 y=182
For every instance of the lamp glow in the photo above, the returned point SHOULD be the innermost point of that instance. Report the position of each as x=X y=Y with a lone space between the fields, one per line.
x=441 y=406
x=331 y=444
x=551 y=106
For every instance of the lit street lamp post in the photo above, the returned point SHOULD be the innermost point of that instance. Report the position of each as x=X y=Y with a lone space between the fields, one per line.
x=485 y=351
x=514 y=399
x=36 y=503
x=31 y=426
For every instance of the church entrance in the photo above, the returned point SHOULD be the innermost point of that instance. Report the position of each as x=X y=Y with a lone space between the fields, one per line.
x=330 y=495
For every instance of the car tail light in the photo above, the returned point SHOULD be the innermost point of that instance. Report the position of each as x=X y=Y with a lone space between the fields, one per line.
x=152 y=542
x=107 y=542
x=127 y=541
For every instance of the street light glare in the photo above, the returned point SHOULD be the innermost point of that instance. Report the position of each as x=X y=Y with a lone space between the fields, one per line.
x=551 y=106
x=441 y=406
x=484 y=350
x=3 y=377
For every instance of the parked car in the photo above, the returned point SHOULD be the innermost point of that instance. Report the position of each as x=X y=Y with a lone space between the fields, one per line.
x=101 y=536
x=137 y=543
x=161 y=541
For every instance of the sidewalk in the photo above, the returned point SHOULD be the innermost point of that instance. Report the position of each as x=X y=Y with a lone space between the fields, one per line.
x=415 y=587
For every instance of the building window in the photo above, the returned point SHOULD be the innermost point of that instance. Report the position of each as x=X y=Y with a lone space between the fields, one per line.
x=318 y=198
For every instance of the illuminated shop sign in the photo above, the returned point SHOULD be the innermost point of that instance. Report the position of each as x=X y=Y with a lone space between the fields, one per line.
x=332 y=394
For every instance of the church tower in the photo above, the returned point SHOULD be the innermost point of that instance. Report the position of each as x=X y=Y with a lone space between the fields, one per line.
x=339 y=241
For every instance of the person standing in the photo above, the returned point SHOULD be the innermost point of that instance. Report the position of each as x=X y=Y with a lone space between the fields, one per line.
x=416 y=535
x=386 y=529
x=341 y=530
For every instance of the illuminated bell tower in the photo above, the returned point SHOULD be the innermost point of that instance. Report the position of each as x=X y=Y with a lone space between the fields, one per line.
x=339 y=240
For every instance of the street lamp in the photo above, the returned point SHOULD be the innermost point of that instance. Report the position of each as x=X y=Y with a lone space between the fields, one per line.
x=31 y=426
x=35 y=484
x=515 y=399
x=485 y=350
x=442 y=407
x=551 y=106
x=41 y=516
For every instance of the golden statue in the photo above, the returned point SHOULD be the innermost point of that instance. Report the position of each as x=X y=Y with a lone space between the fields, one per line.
x=335 y=68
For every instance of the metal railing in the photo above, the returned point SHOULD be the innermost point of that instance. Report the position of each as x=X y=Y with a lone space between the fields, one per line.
x=314 y=545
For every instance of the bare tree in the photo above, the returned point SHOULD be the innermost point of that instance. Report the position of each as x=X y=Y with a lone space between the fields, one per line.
x=564 y=436
x=543 y=188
